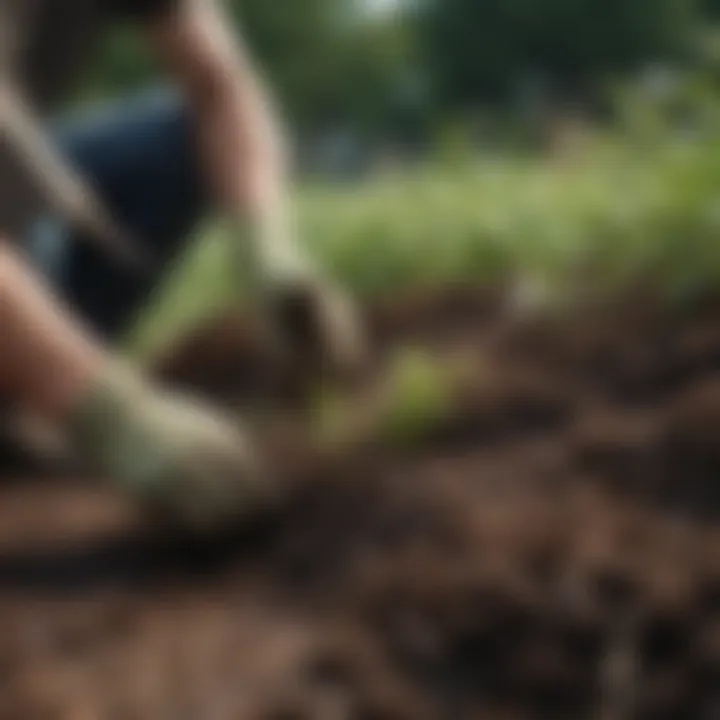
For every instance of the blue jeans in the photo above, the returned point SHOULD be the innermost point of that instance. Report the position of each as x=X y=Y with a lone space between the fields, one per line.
x=140 y=155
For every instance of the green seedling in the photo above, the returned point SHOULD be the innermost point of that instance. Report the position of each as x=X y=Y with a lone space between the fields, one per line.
x=412 y=397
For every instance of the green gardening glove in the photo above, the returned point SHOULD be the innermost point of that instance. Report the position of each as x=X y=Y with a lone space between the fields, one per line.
x=172 y=453
x=309 y=316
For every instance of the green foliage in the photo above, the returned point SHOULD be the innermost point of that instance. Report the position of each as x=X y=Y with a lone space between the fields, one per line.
x=324 y=65
x=415 y=395
x=419 y=397
x=327 y=63
x=710 y=9
x=642 y=205
x=124 y=64
x=484 y=48
x=330 y=62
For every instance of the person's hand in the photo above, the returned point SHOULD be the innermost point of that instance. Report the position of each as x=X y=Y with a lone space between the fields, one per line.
x=310 y=317
x=318 y=322
x=177 y=456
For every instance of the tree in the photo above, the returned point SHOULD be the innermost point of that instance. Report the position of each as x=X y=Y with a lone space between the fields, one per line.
x=324 y=62
x=479 y=49
x=327 y=64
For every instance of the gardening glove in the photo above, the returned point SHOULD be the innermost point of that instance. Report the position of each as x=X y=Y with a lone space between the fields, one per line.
x=309 y=317
x=177 y=456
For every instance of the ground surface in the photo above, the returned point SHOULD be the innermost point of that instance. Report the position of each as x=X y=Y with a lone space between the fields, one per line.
x=551 y=551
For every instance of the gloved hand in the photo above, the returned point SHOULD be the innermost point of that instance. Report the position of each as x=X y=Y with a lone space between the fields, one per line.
x=179 y=457
x=311 y=318
x=317 y=323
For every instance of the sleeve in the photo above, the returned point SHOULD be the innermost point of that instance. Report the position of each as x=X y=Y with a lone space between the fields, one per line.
x=140 y=9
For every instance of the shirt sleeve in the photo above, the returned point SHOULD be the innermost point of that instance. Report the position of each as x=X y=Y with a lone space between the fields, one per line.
x=140 y=9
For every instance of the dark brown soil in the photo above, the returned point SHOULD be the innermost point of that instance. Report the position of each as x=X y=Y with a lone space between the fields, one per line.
x=552 y=551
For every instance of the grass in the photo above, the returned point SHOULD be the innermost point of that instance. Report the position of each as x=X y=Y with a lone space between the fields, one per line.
x=621 y=210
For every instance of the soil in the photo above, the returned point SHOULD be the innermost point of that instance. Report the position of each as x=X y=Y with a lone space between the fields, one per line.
x=550 y=551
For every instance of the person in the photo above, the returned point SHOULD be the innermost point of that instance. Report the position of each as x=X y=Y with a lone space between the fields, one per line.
x=158 y=163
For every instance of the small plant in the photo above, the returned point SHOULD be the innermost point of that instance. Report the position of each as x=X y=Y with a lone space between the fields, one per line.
x=417 y=397
x=410 y=399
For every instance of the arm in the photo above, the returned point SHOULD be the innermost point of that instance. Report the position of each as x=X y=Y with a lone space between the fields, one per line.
x=241 y=144
x=246 y=159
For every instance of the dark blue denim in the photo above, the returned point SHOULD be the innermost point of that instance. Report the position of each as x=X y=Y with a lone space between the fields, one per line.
x=140 y=155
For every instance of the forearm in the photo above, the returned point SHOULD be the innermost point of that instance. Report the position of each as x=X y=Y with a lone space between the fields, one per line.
x=246 y=163
x=244 y=157
x=47 y=358
x=242 y=148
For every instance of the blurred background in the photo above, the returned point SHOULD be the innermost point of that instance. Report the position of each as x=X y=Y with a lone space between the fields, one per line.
x=459 y=138
x=537 y=538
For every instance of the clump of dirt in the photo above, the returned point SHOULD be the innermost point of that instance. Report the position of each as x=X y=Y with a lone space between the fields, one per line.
x=549 y=550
